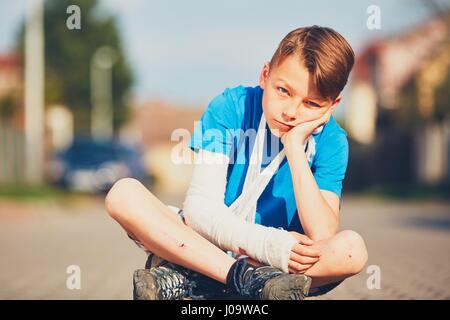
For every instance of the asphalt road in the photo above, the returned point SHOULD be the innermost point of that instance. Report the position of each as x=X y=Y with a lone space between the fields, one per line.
x=408 y=242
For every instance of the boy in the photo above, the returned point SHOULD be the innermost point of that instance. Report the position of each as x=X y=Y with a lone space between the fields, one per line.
x=283 y=221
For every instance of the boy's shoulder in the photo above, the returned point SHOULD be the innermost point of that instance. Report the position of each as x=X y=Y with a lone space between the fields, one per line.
x=229 y=106
x=333 y=135
x=333 y=128
x=239 y=93
x=236 y=100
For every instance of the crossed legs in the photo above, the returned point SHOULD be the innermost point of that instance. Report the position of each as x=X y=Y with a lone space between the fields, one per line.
x=162 y=232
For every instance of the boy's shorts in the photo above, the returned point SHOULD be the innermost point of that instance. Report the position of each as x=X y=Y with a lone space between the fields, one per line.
x=313 y=292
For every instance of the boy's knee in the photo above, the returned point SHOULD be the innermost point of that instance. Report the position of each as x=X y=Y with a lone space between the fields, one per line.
x=118 y=195
x=355 y=251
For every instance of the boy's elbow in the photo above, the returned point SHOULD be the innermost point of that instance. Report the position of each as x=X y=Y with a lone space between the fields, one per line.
x=324 y=233
x=191 y=203
x=194 y=207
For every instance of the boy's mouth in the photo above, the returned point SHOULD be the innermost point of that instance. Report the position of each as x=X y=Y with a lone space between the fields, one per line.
x=283 y=126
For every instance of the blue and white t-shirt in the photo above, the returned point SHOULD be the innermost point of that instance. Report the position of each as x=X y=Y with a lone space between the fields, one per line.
x=227 y=126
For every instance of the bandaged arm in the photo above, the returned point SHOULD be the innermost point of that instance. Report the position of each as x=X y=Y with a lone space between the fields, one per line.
x=206 y=212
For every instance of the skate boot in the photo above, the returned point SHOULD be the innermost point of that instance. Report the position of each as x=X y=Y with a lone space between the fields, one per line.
x=266 y=283
x=163 y=280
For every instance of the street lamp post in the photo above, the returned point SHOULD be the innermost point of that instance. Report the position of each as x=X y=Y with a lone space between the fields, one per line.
x=34 y=92
x=102 y=62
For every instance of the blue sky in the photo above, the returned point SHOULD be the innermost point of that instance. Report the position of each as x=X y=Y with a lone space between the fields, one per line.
x=186 y=52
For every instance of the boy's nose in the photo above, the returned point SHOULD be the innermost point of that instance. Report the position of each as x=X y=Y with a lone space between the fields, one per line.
x=289 y=114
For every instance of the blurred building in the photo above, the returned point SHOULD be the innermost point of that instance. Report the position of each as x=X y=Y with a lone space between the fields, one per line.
x=398 y=115
x=155 y=121
x=152 y=126
x=11 y=119
x=11 y=87
x=60 y=127
x=59 y=122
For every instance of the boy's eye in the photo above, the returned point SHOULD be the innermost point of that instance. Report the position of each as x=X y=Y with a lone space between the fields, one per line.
x=283 y=91
x=312 y=104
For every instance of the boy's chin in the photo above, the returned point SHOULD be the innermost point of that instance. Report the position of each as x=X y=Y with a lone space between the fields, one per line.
x=277 y=132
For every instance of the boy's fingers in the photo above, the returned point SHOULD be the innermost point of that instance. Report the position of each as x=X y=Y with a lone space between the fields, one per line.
x=306 y=241
x=302 y=259
x=303 y=239
x=324 y=119
x=298 y=267
x=293 y=270
x=296 y=271
x=314 y=124
x=305 y=251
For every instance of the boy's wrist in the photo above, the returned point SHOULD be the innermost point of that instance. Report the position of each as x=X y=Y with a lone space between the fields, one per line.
x=294 y=149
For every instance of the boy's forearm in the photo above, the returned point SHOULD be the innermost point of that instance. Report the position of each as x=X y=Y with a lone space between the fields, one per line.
x=317 y=218
x=215 y=222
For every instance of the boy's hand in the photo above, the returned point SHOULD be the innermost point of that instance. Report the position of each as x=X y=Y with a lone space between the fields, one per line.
x=302 y=255
x=298 y=134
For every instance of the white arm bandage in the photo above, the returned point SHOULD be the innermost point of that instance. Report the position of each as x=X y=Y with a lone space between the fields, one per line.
x=207 y=214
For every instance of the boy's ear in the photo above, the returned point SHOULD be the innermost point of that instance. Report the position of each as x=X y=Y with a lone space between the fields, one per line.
x=335 y=103
x=264 y=75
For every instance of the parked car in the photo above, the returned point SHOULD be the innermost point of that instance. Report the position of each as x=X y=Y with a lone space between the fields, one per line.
x=93 y=166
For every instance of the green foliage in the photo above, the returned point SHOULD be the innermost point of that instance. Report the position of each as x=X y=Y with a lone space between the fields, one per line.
x=7 y=104
x=22 y=192
x=443 y=99
x=408 y=114
x=68 y=56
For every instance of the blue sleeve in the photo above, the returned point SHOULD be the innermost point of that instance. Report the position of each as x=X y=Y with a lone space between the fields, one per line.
x=331 y=161
x=215 y=131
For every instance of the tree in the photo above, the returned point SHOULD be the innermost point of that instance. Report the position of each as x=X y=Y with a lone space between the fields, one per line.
x=68 y=55
x=6 y=107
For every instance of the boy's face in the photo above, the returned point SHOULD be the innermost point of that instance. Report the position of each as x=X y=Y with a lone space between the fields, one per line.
x=290 y=96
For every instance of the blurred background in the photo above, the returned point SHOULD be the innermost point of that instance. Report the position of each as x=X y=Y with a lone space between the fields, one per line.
x=92 y=90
